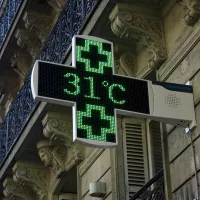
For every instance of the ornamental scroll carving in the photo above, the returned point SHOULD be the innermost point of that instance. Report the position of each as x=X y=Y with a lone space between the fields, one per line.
x=28 y=41
x=52 y=155
x=32 y=175
x=142 y=30
x=125 y=62
x=58 y=128
x=57 y=5
x=41 y=24
x=16 y=191
x=21 y=63
x=192 y=11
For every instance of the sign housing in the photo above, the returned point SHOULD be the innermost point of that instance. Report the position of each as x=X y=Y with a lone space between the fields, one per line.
x=97 y=95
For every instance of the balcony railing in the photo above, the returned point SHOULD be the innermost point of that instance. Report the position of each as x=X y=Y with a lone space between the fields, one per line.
x=1 y=2
x=153 y=190
x=7 y=17
x=69 y=23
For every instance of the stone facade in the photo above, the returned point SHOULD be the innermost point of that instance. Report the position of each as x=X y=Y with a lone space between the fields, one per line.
x=157 y=40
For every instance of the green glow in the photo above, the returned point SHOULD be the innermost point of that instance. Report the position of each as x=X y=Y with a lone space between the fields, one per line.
x=75 y=83
x=88 y=128
x=91 y=80
x=105 y=83
x=87 y=62
x=110 y=93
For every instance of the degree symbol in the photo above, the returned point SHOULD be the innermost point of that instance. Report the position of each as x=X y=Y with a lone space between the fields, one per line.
x=105 y=83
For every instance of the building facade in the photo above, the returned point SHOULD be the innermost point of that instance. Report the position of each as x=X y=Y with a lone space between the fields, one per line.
x=153 y=40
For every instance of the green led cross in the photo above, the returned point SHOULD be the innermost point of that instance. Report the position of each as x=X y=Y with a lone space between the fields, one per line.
x=88 y=128
x=95 y=56
x=96 y=94
x=89 y=65
x=92 y=88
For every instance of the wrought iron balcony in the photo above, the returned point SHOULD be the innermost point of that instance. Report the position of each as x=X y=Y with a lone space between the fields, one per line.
x=153 y=190
x=69 y=23
x=7 y=16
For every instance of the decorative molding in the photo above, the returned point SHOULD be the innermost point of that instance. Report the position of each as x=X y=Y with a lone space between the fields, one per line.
x=53 y=156
x=58 y=127
x=140 y=29
x=21 y=63
x=32 y=175
x=86 y=164
x=179 y=54
x=8 y=84
x=28 y=41
x=41 y=24
x=15 y=191
x=57 y=5
x=125 y=60
x=192 y=11
x=128 y=63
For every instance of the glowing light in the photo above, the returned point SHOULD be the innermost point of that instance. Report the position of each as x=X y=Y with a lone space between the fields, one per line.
x=110 y=93
x=87 y=61
x=94 y=88
x=91 y=81
x=88 y=128
x=75 y=83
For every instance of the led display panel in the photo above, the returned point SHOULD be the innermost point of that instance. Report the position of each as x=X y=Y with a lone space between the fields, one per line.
x=94 y=88
x=96 y=93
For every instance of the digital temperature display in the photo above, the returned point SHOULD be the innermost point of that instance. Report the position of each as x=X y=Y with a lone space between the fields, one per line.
x=93 y=86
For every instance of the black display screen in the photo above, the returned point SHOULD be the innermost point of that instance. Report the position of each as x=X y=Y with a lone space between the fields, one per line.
x=95 y=89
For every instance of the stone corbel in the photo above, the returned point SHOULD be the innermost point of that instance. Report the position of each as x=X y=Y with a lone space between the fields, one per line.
x=125 y=61
x=10 y=88
x=145 y=31
x=21 y=63
x=192 y=11
x=58 y=127
x=57 y=5
x=15 y=191
x=53 y=156
x=28 y=41
x=32 y=175
x=41 y=24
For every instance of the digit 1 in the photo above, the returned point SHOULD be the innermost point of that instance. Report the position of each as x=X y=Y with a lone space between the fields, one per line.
x=91 y=81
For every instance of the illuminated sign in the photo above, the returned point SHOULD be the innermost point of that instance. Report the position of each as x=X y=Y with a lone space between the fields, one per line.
x=92 y=88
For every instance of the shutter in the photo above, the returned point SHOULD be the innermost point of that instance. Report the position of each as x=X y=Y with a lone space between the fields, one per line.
x=154 y=148
x=155 y=133
x=135 y=155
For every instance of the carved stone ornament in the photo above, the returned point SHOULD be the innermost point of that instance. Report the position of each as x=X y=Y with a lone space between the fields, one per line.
x=16 y=191
x=125 y=62
x=58 y=127
x=192 y=11
x=9 y=85
x=21 y=63
x=52 y=156
x=41 y=24
x=57 y=5
x=32 y=175
x=145 y=31
x=28 y=41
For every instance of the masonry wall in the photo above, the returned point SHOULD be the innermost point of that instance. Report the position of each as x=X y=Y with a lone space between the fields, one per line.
x=95 y=168
x=182 y=65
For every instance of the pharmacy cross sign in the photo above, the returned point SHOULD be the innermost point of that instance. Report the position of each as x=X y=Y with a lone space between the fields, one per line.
x=92 y=89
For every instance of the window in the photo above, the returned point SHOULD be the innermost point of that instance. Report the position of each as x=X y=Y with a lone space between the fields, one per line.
x=142 y=152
